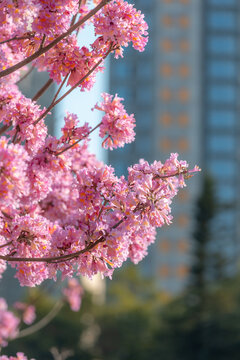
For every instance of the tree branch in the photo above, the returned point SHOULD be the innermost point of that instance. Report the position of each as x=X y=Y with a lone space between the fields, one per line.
x=42 y=323
x=25 y=75
x=76 y=142
x=42 y=90
x=53 y=104
x=43 y=50
x=4 y=128
x=62 y=258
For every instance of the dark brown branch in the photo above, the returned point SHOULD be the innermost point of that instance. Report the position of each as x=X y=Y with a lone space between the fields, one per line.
x=8 y=243
x=28 y=36
x=42 y=90
x=76 y=142
x=60 y=88
x=5 y=128
x=25 y=75
x=43 y=50
x=62 y=258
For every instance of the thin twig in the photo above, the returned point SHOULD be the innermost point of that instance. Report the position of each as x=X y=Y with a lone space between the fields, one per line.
x=25 y=75
x=8 y=243
x=43 y=50
x=42 y=90
x=62 y=258
x=59 y=89
x=42 y=323
x=4 y=128
x=14 y=140
x=52 y=105
x=76 y=142
x=29 y=36
x=42 y=42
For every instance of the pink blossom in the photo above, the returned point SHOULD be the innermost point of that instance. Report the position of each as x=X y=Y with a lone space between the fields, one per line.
x=28 y=312
x=116 y=124
x=61 y=210
x=120 y=23
x=54 y=17
x=68 y=58
x=73 y=293
x=30 y=237
x=20 y=356
x=13 y=177
x=8 y=323
x=73 y=132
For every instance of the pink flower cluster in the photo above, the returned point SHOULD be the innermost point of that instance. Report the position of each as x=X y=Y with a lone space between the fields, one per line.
x=71 y=130
x=68 y=58
x=73 y=293
x=54 y=17
x=61 y=210
x=27 y=311
x=8 y=323
x=20 y=356
x=87 y=220
x=116 y=124
x=120 y=23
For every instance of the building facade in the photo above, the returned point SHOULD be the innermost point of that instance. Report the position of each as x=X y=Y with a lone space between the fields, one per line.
x=183 y=91
x=220 y=104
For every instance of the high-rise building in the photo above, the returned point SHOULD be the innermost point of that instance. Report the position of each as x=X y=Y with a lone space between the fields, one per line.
x=220 y=113
x=183 y=91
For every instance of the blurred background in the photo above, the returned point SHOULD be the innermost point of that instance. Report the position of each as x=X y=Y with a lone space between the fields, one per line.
x=183 y=300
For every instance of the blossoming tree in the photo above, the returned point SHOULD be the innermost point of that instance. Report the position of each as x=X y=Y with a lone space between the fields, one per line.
x=61 y=210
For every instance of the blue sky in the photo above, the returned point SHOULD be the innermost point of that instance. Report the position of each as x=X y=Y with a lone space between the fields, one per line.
x=81 y=103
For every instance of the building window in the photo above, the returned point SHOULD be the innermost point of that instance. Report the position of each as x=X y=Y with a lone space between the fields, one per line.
x=164 y=245
x=144 y=4
x=125 y=92
x=143 y=145
x=223 y=2
x=226 y=193
x=184 y=45
x=183 y=220
x=144 y=95
x=222 y=94
x=183 y=245
x=184 y=21
x=122 y=69
x=166 y=70
x=183 y=95
x=183 y=145
x=223 y=168
x=165 y=144
x=166 y=94
x=221 y=20
x=143 y=120
x=167 y=20
x=144 y=70
x=184 y=70
x=225 y=119
x=222 y=45
x=167 y=45
x=183 y=120
x=182 y=271
x=222 y=143
x=166 y=119
x=223 y=69
x=164 y=271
